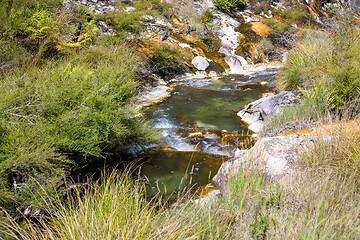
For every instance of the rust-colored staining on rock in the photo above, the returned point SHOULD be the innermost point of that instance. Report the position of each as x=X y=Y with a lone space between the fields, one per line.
x=325 y=129
x=260 y=28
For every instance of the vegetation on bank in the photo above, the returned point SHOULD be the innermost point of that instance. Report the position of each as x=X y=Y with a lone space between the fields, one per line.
x=64 y=97
x=323 y=64
x=320 y=201
x=230 y=5
x=64 y=93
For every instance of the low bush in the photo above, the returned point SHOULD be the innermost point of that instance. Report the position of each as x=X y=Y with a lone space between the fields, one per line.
x=230 y=5
x=207 y=17
x=67 y=113
x=167 y=62
x=129 y=19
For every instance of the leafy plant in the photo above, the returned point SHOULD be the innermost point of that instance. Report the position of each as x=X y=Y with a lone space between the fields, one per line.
x=33 y=22
x=230 y=5
x=332 y=8
x=207 y=17
x=67 y=113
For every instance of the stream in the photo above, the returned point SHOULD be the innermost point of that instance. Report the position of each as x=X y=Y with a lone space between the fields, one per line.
x=199 y=129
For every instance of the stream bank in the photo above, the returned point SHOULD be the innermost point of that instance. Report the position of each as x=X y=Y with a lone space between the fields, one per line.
x=198 y=127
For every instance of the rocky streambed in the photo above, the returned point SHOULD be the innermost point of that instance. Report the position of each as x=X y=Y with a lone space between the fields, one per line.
x=199 y=128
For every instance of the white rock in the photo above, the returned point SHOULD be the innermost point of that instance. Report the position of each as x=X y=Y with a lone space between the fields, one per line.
x=200 y=63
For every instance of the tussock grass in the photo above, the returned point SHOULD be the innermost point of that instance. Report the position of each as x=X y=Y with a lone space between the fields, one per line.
x=330 y=56
x=339 y=151
x=116 y=208
x=316 y=201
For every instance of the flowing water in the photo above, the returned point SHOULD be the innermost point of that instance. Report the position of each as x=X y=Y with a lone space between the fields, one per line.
x=199 y=129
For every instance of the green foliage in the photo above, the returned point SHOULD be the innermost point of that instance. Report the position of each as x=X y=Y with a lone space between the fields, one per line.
x=260 y=226
x=293 y=15
x=285 y=29
x=167 y=61
x=32 y=21
x=329 y=58
x=230 y=5
x=130 y=20
x=332 y=8
x=207 y=17
x=67 y=113
x=313 y=108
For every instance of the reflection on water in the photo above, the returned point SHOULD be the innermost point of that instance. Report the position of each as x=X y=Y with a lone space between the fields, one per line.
x=199 y=128
x=165 y=170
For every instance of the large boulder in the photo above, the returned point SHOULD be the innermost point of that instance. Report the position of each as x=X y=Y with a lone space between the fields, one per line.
x=273 y=155
x=200 y=63
x=255 y=112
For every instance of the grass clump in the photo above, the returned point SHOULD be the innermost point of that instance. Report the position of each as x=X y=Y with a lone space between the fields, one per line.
x=324 y=66
x=116 y=208
x=317 y=201
x=332 y=57
x=340 y=151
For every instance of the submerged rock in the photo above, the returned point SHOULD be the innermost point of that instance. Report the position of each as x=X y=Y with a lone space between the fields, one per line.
x=200 y=63
x=272 y=155
x=255 y=112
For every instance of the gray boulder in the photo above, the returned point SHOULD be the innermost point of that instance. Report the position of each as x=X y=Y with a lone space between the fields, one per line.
x=200 y=63
x=274 y=156
x=255 y=112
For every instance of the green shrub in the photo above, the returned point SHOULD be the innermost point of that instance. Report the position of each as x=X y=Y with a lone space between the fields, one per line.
x=332 y=8
x=67 y=113
x=293 y=15
x=31 y=20
x=230 y=5
x=127 y=20
x=207 y=17
x=167 y=62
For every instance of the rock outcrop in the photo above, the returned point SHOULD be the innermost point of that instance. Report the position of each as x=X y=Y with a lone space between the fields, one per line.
x=255 y=112
x=95 y=6
x=272 y=155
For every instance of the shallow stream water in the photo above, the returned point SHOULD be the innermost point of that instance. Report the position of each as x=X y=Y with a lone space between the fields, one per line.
x=199 y=129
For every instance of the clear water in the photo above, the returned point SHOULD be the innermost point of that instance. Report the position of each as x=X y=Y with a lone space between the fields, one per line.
x=206 y=106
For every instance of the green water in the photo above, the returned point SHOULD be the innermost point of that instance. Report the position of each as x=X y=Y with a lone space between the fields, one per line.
x=166 y=169
x=206 y=106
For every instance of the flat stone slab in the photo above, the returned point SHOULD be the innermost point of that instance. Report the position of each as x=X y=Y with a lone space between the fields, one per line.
x=154 y=95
